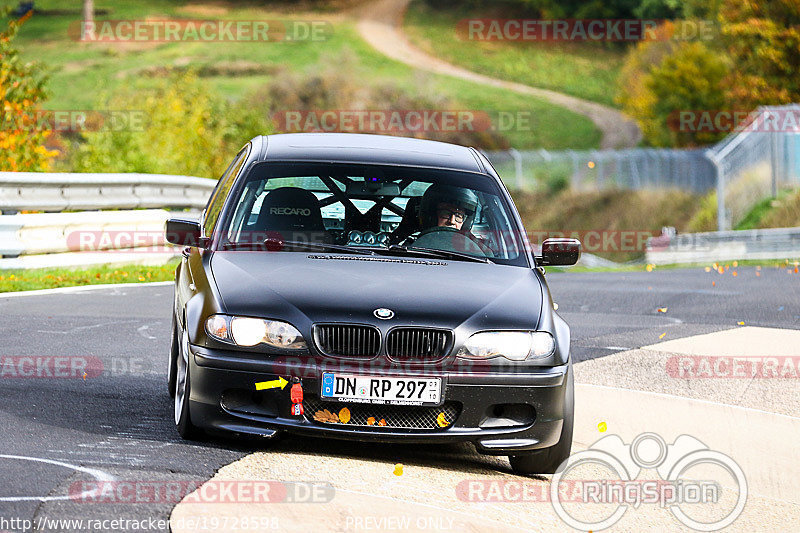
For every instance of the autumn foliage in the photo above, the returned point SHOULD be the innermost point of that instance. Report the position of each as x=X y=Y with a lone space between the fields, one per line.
x=753 y=60
x=22 y=89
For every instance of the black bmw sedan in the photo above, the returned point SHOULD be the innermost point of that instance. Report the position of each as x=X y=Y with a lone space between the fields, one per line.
x=371 y=288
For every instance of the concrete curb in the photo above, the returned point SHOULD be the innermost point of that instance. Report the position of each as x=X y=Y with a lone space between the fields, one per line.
x=758 y=441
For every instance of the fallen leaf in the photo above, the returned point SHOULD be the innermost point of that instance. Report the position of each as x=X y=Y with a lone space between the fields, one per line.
x=735 y=264
x=758 y=274
x=662 y=335
x=734 y=273
x=344 y=415
x=602 y=427
x=708 y=269
x=713 y=283
x=326 y=416
x=740 y=323
x=371 y=421
x=382 y=422
x=442 y=420
x=662 y=309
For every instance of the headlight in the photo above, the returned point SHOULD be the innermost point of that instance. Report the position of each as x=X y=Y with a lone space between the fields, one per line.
x=513 y=345
x=244 y=331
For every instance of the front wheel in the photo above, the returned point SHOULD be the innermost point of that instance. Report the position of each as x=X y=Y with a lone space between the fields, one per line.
x=548 y=460
x=183 y=421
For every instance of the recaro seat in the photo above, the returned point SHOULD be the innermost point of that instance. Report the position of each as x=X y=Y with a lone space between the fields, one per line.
x=291 y=214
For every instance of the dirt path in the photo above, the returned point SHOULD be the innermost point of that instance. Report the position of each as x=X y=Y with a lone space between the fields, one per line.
x=380 y=24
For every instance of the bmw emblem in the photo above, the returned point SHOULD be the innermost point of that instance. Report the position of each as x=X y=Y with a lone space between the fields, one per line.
x=383 y=313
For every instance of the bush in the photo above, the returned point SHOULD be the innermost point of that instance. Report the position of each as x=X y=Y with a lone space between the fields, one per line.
x=662 y=78
x=763 y=38
x=22 y=89
x=338 y=87
x=705 y=219
x=186 y=130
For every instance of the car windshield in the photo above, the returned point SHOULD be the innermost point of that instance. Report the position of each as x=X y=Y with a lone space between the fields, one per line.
x=373 y=209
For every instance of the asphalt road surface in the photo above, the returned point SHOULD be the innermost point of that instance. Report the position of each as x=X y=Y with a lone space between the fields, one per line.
x=117 y=424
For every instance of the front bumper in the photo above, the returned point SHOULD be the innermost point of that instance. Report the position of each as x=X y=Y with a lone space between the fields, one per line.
x=500 y=413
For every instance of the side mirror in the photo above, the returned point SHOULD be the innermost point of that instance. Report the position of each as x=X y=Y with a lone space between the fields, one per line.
x=183 y=232
x=560 y=252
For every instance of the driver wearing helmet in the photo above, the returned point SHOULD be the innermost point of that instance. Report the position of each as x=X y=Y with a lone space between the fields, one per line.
x=448 y=207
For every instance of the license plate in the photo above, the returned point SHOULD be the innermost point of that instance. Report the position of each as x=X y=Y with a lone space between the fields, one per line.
x=381 y=390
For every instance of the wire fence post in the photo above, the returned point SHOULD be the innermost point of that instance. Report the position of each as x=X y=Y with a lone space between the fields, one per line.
x=517 y=167
x=722 y=223
x=773 y=163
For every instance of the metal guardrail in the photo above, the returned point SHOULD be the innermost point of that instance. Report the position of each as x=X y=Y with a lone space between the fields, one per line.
x=773 y=243
x=48 y=233
x=52 y=192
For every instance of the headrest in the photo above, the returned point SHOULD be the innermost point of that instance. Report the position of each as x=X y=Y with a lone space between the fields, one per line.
x=290 y=209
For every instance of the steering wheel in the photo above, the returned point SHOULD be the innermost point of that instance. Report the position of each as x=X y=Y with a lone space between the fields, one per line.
x=434 y=229
x=449 y=239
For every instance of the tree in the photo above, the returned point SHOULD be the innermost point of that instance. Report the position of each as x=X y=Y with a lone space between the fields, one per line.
x=763 y=39
x=662 y=77
x=22 y=89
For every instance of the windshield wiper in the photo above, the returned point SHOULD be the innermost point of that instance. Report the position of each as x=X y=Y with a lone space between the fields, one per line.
x=314 y=246
x=432 y=252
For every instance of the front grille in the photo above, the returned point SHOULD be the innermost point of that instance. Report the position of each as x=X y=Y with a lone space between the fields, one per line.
x=417 y=344
x=347 y=340
x=394 y=416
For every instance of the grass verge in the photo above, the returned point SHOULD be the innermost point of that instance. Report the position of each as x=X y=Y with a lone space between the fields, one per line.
x=51 y=278
x=585 y=70
x=83 y=73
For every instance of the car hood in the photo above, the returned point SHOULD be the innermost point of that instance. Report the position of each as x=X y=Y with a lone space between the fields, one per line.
x=307 y=288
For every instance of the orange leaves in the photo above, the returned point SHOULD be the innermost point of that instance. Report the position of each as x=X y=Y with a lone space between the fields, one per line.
x=21 y=92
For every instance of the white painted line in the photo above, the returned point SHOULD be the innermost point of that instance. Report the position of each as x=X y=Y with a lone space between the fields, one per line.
x=84 y=288
x=82 y=328
x=99 y=475
x=143 y=332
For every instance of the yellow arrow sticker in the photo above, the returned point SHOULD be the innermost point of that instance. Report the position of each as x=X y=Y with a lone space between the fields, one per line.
x=275 y=383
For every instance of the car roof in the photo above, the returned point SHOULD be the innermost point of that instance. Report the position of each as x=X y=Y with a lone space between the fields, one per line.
x=369 y=149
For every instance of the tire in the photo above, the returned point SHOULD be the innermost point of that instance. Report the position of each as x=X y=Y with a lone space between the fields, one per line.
x=173 y=358
x=548 y=460
x=183 y=421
